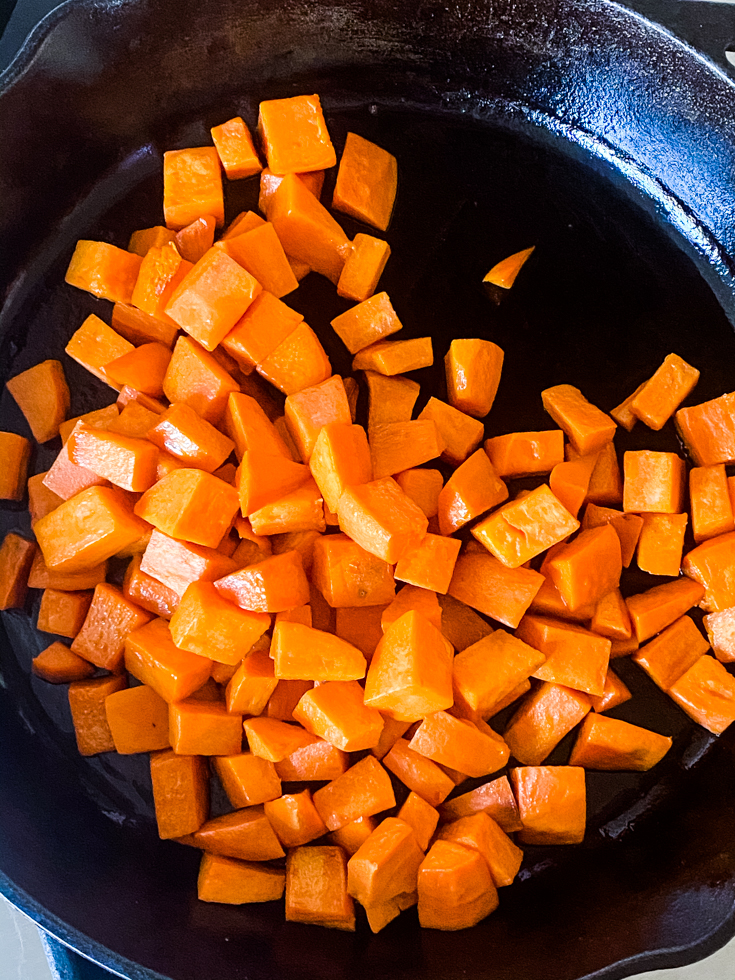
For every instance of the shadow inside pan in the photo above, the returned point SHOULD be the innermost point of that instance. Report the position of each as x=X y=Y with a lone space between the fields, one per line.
x=607 y=294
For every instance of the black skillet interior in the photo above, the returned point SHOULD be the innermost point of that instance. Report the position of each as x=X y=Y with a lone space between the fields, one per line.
x=624 y=272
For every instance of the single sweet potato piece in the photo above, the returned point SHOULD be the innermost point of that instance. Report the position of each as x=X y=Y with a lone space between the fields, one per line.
x=232 y=882
x=494 y=798
x=62 y=612
x=15 y=452
x=294 y=135
x=363 y=268
x=307 y=231
x=587 y=428
x=382 y=873
x=366 y=183
x=575 y=657
x=42 y=395
x=58 y=665
x=196 y=378
x=317 y=760
x=88 y=529
x=503 y=274
x=236 y=149
x=138 y=720
x=198 y=727
x=316 y=888
x=190 y=504
x=297 y=362
x=103 y=270
x=152 y=657
x=524 y=527
x=180 y=793
x=455 y=888
x=526 y=453
x=460 y=745
x=654 y=610
x=272 y=739
x=708 y=430
x=16 y=558
x=304 y=653
x=295 y=819
x=670 y=654
x=473 y=370
x=247 y=779
x=661 y=543
x=362 y=791
x=126 y=462
x=348 y=575
x=382 y=519
x=410 y=674
x=87 y=704
x=391 y=357
x=337 y=713
x=485 y=672
x=495 y=590
x=543 y=719
x=551 y=803
x=707 y=693
x=192 y=186
x=709 y=501
x=655 y=401
x=431 y=565
x=588 y=568
x=654 y=482
x=612 y=744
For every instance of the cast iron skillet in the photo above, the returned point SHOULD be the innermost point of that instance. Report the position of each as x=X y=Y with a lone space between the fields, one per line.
x=577 y=127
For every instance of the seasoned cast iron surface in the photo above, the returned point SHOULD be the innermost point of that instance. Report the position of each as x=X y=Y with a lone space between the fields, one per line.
x=624 y=273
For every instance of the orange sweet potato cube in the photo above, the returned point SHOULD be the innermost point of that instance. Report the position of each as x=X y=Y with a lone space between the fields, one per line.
x=196 y=378
x=87 y=703
x=587 y=428
x=612 y=744
x=340 y=458
x=366 y=183
x=303 y=653
x=410 y=674
x=657 y=399
x=316 y=888
x=294 y=135
x=575 y=657
x=237 y=153
x=473 y=374
x=455 y=887
x=431 y=565
x=307 y=231
x=152 y=657
x=480 y=832
x=88 y=529
x=233 y=882
x=207 y=624
x=190 y=504
x=192 y=186
x=654 y=482
x=458 y=744
x=543 y=719
x=495 y=590
x=138 y=720
x=708 y=430
x=485 y=672
x=336 y=712
x=524 y=527
x=370 y=321
x=707 y=693
x=552 y=803
x=526 y=453
x=247 y=779
x=297 y=362
x=382 y=519
x=15 y=451
x=362 y=791
x=180 y=793
x=104 y=270
x=363 y=268
x=212 y=297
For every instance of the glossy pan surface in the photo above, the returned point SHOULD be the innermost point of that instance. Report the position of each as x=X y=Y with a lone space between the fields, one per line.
x=577 y=127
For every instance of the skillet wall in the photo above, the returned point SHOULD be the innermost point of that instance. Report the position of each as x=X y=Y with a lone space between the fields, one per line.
x=112 y=78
